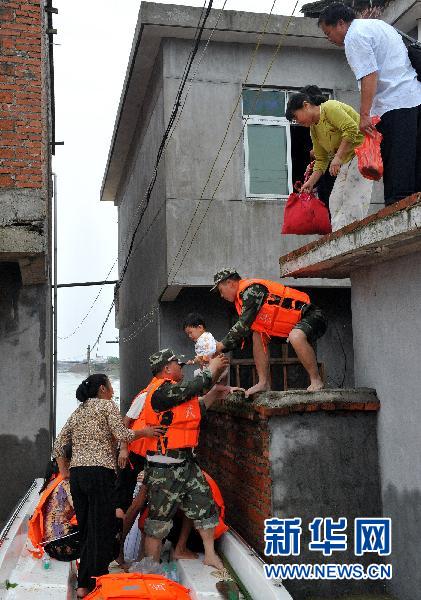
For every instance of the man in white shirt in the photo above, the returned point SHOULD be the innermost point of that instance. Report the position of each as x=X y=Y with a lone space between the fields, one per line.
x=389 y=88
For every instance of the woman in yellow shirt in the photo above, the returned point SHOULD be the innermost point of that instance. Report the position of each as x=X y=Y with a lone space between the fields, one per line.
x=335 y=133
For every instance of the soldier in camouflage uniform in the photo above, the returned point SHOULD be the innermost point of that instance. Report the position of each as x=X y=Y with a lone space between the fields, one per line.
x=174 y=479
x=312 y=326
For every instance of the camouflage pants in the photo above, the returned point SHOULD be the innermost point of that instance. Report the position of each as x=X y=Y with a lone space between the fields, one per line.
x=313 y=322
x=178 y=486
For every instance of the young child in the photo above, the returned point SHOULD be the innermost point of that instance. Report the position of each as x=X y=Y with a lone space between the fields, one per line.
x=205 y=347
x=205 y=344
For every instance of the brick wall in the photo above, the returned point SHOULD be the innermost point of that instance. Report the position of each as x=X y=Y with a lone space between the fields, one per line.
x=234 y=449
x=23 y=95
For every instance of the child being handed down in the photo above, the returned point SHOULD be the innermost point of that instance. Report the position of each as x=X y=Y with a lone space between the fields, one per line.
x=205 y=347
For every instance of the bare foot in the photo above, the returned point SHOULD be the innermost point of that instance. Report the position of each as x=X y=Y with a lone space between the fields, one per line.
x=120 y=561
x=315 y=385
x=81 y=592
x=236 y=389
x=259 y=387
x=184 y=553
x=213 y=560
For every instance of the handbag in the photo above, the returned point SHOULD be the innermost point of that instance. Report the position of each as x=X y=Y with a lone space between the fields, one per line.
x=370 y=163
x=414 y=52
x=305 y=214
x=66 y=548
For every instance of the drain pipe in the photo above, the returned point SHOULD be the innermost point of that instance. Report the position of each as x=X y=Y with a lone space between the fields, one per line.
x=53 y=408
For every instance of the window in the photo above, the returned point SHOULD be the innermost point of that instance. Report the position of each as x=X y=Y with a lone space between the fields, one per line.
x=267 y=159
x=276 y=151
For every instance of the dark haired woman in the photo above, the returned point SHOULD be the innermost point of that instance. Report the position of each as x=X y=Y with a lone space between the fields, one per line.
x=334 y=130
x=93 y=429
x=53 y=519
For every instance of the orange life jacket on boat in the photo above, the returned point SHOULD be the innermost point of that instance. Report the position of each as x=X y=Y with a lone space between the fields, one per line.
x=281 y=309
x=181 y=423
x=119 y=586
x=36 y=529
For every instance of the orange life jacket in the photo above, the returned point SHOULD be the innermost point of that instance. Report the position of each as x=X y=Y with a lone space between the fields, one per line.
x=281 y=310
x=221 y=528
x=140 y=445
x=119 y=586
x=181 y=423
x=36 y=528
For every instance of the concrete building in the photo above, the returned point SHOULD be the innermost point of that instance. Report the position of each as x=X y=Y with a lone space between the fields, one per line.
x=382 y=256
x=25 y=281
x=201 y=218
x=240 y=215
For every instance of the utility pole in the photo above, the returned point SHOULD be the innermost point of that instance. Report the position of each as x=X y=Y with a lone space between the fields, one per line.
x=88 y=356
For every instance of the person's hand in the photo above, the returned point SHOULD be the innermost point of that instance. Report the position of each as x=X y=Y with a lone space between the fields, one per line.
x=307 y=187
x=200 y=360
x=335 y=166
x=366 y=126
x=153 y=431
x=219 y=348
x=191 y=361
x=217 y=365
x=123 y=456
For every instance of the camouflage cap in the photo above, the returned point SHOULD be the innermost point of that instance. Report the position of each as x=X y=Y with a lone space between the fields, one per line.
x=161 y=358
x=222 y=275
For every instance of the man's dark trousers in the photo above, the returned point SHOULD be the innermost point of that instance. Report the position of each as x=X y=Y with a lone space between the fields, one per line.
x=401 y=153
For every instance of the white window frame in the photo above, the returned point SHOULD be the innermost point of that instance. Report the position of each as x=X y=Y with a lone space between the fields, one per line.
x=269 y=120
x=265 y=121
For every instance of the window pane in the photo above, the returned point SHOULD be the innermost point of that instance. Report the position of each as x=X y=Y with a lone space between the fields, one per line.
x=267 y=160
x=267 y=103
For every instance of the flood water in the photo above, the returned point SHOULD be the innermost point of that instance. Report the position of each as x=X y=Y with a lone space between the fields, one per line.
x=67 y=383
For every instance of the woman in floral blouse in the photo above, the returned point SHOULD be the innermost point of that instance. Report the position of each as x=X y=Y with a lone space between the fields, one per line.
x=93 y=430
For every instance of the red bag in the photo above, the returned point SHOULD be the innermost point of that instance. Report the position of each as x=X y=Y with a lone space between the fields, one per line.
x=305 y=214
x=370 y=162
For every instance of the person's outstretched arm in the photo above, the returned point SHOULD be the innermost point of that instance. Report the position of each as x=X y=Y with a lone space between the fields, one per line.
x=169 y=395
x=253 y=299
x=131 y=514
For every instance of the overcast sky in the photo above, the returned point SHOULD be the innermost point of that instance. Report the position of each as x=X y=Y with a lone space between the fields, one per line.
x=93 y=45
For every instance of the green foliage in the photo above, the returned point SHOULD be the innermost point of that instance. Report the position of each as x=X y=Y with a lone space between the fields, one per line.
x=113 y=360
x=9 y=585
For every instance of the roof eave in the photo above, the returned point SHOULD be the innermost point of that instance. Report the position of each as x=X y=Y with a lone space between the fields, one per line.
x=159 y=21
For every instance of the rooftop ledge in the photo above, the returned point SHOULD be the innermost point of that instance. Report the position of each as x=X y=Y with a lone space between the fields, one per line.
x=392 y=232
x=271 y=404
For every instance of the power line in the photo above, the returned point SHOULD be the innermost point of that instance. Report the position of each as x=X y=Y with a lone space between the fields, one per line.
x=103 y=325
x=164 y=139
x=91 y=307
x=253 y=58
x=278 y=47
x=163 y=146
x=198 y=36
x=199 y=62
x=181 y=112
x=142 y=326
